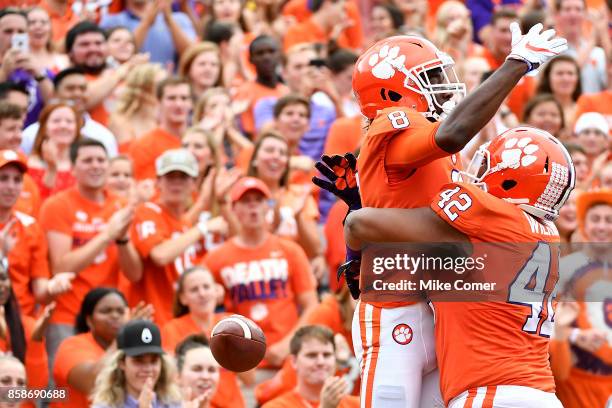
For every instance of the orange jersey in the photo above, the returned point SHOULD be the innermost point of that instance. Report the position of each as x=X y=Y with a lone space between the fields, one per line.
x=292 y=399
x=477 y=343
x=73 y=351
x=400 y=165
x=152 y=225
x=69 y=213
x=27 y=259
x=228 y=394
x=596 y=102
x=262 y=283
x=147 y=148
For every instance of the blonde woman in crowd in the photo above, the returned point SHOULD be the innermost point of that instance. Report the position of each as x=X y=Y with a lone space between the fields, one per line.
x=201 y=63
x=49 y=163
x=39 y=34
x=214 y=113
x=454 y=32
x=136 y=112
x=139 y=373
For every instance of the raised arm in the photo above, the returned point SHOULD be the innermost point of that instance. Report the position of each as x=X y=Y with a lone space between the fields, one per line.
x=529 y=52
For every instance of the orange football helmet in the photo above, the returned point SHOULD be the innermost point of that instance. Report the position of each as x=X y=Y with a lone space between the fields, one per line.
x=406 y=71
x=528 y=167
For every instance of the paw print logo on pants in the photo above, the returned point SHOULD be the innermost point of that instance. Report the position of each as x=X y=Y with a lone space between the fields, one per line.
x=386 y=62
x=519 y=152
x=402 y=334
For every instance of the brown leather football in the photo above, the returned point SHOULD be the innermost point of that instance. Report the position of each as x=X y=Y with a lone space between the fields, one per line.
x=237 y=343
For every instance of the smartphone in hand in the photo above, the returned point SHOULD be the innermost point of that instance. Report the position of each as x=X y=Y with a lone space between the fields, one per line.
x=21 y=42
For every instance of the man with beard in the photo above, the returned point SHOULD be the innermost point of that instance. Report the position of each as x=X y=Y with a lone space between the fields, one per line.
x=71 y=85
x=87 y=232
x=87 y=48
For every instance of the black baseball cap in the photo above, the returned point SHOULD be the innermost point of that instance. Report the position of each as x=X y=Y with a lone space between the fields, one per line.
x=139 y=337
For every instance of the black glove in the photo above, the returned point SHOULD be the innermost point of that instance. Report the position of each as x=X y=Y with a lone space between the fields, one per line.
x=350 y=271
x=340 y=172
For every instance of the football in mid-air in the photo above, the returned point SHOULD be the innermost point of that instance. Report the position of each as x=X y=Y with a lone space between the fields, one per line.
x=237 y=343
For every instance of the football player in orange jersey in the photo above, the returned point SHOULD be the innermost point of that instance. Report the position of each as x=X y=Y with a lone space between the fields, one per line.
x=493 y=354
x=405 y=86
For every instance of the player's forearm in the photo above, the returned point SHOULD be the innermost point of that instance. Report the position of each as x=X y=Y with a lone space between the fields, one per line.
x=477 y=109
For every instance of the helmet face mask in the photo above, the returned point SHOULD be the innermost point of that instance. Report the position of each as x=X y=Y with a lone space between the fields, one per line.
x=438 y=82
x=407 y=71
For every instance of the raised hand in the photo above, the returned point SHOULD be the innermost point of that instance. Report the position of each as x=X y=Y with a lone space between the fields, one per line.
x=60 y=283
x=340 y=172
x=536 y=47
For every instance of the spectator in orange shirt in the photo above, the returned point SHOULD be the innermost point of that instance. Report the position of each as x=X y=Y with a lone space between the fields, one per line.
x=266 y=278
x=13 y=375
x=80 y=357
x=199 y=372
x=295 y=212
x=175 y=104
x=49 y=164
x=11 y=120
x=265 y=54
x=87 y=232
x=26 y=251
x=545 y=112
x=561 y=77
x=314 y=358
x=62 y=18
x=168 y=244
x=336 y=313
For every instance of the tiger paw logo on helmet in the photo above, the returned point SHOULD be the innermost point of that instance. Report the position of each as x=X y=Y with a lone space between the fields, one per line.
x=519 y=152
x=386 y=62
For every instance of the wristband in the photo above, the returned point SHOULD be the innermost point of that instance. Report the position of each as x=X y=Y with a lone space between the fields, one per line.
x=123 y=241
x=202 y=228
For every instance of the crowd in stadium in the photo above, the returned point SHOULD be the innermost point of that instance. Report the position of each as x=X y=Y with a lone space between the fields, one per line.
x=156 y=159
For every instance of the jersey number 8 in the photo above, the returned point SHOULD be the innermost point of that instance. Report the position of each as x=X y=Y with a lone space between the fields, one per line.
x=398 y=119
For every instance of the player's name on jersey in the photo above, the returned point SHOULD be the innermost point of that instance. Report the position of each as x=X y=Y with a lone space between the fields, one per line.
x=432 y=285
